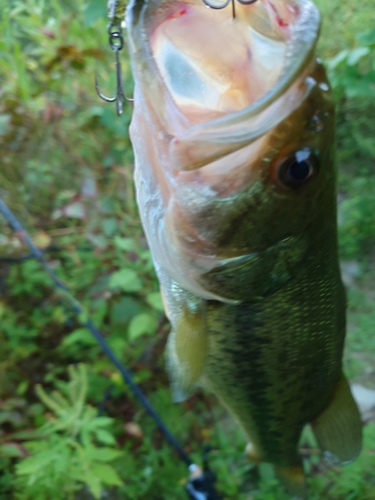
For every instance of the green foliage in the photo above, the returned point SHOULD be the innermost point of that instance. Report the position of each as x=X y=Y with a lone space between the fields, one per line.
x=357 y=218
x=354 y=482
x=67 y=173
x=352 y=74
x=352 y=71
x=65 y=454
x=342 y=21
x=350 y=59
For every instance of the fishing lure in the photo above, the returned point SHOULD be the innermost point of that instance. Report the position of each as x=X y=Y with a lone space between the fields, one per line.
x=116 y=14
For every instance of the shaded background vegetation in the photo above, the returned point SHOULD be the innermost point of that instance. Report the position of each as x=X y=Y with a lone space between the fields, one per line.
x=66 y=171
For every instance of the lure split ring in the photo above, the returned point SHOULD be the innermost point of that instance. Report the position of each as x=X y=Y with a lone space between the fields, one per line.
x=116 y=40
x=221 y=4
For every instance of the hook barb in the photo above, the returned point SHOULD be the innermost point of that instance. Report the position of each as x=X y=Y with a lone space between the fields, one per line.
x=102 y=96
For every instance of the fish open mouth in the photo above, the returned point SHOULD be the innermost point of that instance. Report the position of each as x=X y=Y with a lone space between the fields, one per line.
x=213 y=64
x=215 y=83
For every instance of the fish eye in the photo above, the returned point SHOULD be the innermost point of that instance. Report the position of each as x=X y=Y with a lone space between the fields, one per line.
x=298 y=169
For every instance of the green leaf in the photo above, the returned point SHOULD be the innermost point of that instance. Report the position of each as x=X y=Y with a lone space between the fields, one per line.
x=12 y=450
x=117 y=344
x=28 y=466
x=155 y=300
x=98 y=240
x=356 y=54
x=105 y=437
x=13 y=417
x=22 y=387
x=367 y=38
x=96 y=9
x=54 y=453
x=79 y=335
x=107 y=474
x=94 y=484
x=4 y=124
x=102 y=454
x=2 y=310
x=109 y=226
x=339 y=58
x=103 y=421
x=124 y=310
x=141 y=324
x=100 y=309
x=126 y=244
x=28 y=435
x=126 y=280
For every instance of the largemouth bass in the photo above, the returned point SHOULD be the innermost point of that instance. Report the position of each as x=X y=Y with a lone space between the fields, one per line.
x=233 y=135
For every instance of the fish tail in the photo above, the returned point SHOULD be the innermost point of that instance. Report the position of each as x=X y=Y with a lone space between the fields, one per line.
x=338 y=429
x=293 y=479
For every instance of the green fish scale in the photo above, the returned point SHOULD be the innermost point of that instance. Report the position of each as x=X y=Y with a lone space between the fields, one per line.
x=275 y=363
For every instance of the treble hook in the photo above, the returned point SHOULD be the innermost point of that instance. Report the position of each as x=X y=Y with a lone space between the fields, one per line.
x=116 y=42
x=218 y=4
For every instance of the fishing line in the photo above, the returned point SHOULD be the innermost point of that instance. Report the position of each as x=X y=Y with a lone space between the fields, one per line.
x=200 y=485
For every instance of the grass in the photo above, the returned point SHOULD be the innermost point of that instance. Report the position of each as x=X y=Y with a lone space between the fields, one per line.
x=67 y=173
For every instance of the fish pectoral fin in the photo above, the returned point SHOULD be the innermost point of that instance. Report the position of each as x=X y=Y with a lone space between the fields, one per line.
x=338 y=429
x=293 y=479
x=186 y=352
